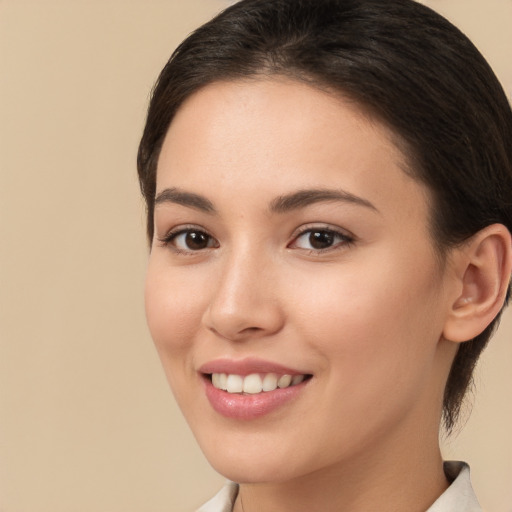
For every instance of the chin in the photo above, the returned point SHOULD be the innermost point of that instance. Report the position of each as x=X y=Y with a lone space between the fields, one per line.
x=252 y=463
x=246 y=471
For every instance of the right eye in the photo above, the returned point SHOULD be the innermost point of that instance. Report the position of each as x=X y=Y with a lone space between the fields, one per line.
x=189 y=240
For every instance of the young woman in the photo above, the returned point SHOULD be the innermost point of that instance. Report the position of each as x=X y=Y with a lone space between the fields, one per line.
x=328 y=185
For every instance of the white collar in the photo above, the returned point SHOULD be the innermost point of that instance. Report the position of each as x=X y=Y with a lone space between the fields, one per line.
x=459 y=497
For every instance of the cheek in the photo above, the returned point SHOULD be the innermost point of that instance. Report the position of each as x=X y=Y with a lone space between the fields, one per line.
x=377 y=339
x=372 y=318
x=173 y=309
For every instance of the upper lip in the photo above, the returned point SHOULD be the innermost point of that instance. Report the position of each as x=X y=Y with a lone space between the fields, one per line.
x=246 y=367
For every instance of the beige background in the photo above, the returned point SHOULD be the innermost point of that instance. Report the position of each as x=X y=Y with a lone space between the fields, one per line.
x=86 y=420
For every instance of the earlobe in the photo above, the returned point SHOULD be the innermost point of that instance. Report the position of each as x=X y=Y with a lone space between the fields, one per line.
x=484 y=266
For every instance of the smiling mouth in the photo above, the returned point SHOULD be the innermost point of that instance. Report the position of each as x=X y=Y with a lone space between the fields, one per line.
x=254 y=383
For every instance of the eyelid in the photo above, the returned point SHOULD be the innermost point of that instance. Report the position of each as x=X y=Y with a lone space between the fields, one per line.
x=173 y=233
x=347 y=237
x=322 y=226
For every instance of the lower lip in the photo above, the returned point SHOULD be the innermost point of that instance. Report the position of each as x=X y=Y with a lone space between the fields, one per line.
x=249 y=407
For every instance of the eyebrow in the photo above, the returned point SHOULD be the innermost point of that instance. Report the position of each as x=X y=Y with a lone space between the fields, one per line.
x=176 y=196
x=281 y=204
x=303 y=198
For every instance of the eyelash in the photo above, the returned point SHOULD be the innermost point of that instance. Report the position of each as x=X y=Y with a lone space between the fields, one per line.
x=345 y=240
x=171 y=236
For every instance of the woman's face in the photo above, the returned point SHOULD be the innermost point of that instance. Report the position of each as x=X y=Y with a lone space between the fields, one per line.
x=290 y=241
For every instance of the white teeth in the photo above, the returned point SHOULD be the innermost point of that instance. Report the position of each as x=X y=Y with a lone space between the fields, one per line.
x=254 y=383
x=216 y=380
x=270 y=382
x=234 y=384
x=220 y=380
x=297 y=379
x=284 y=381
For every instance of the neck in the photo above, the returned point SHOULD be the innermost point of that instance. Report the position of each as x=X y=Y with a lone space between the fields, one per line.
x=405 y=477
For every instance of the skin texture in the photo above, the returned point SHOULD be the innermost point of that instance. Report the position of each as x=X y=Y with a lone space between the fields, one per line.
x=364 y=317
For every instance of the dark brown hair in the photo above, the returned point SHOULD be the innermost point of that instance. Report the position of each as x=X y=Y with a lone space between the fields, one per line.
x=405 y=64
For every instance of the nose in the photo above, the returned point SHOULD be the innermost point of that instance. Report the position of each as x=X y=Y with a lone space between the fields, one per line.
x=244 y=300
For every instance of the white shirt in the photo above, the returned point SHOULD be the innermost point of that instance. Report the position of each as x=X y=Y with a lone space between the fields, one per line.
x=459 y=497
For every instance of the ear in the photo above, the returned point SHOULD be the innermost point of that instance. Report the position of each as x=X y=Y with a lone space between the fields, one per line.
x=483 y=267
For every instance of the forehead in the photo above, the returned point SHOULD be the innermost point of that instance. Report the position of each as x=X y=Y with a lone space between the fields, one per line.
x=272 y=135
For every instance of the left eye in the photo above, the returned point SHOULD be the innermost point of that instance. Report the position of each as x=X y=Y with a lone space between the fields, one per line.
x=320 y=239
